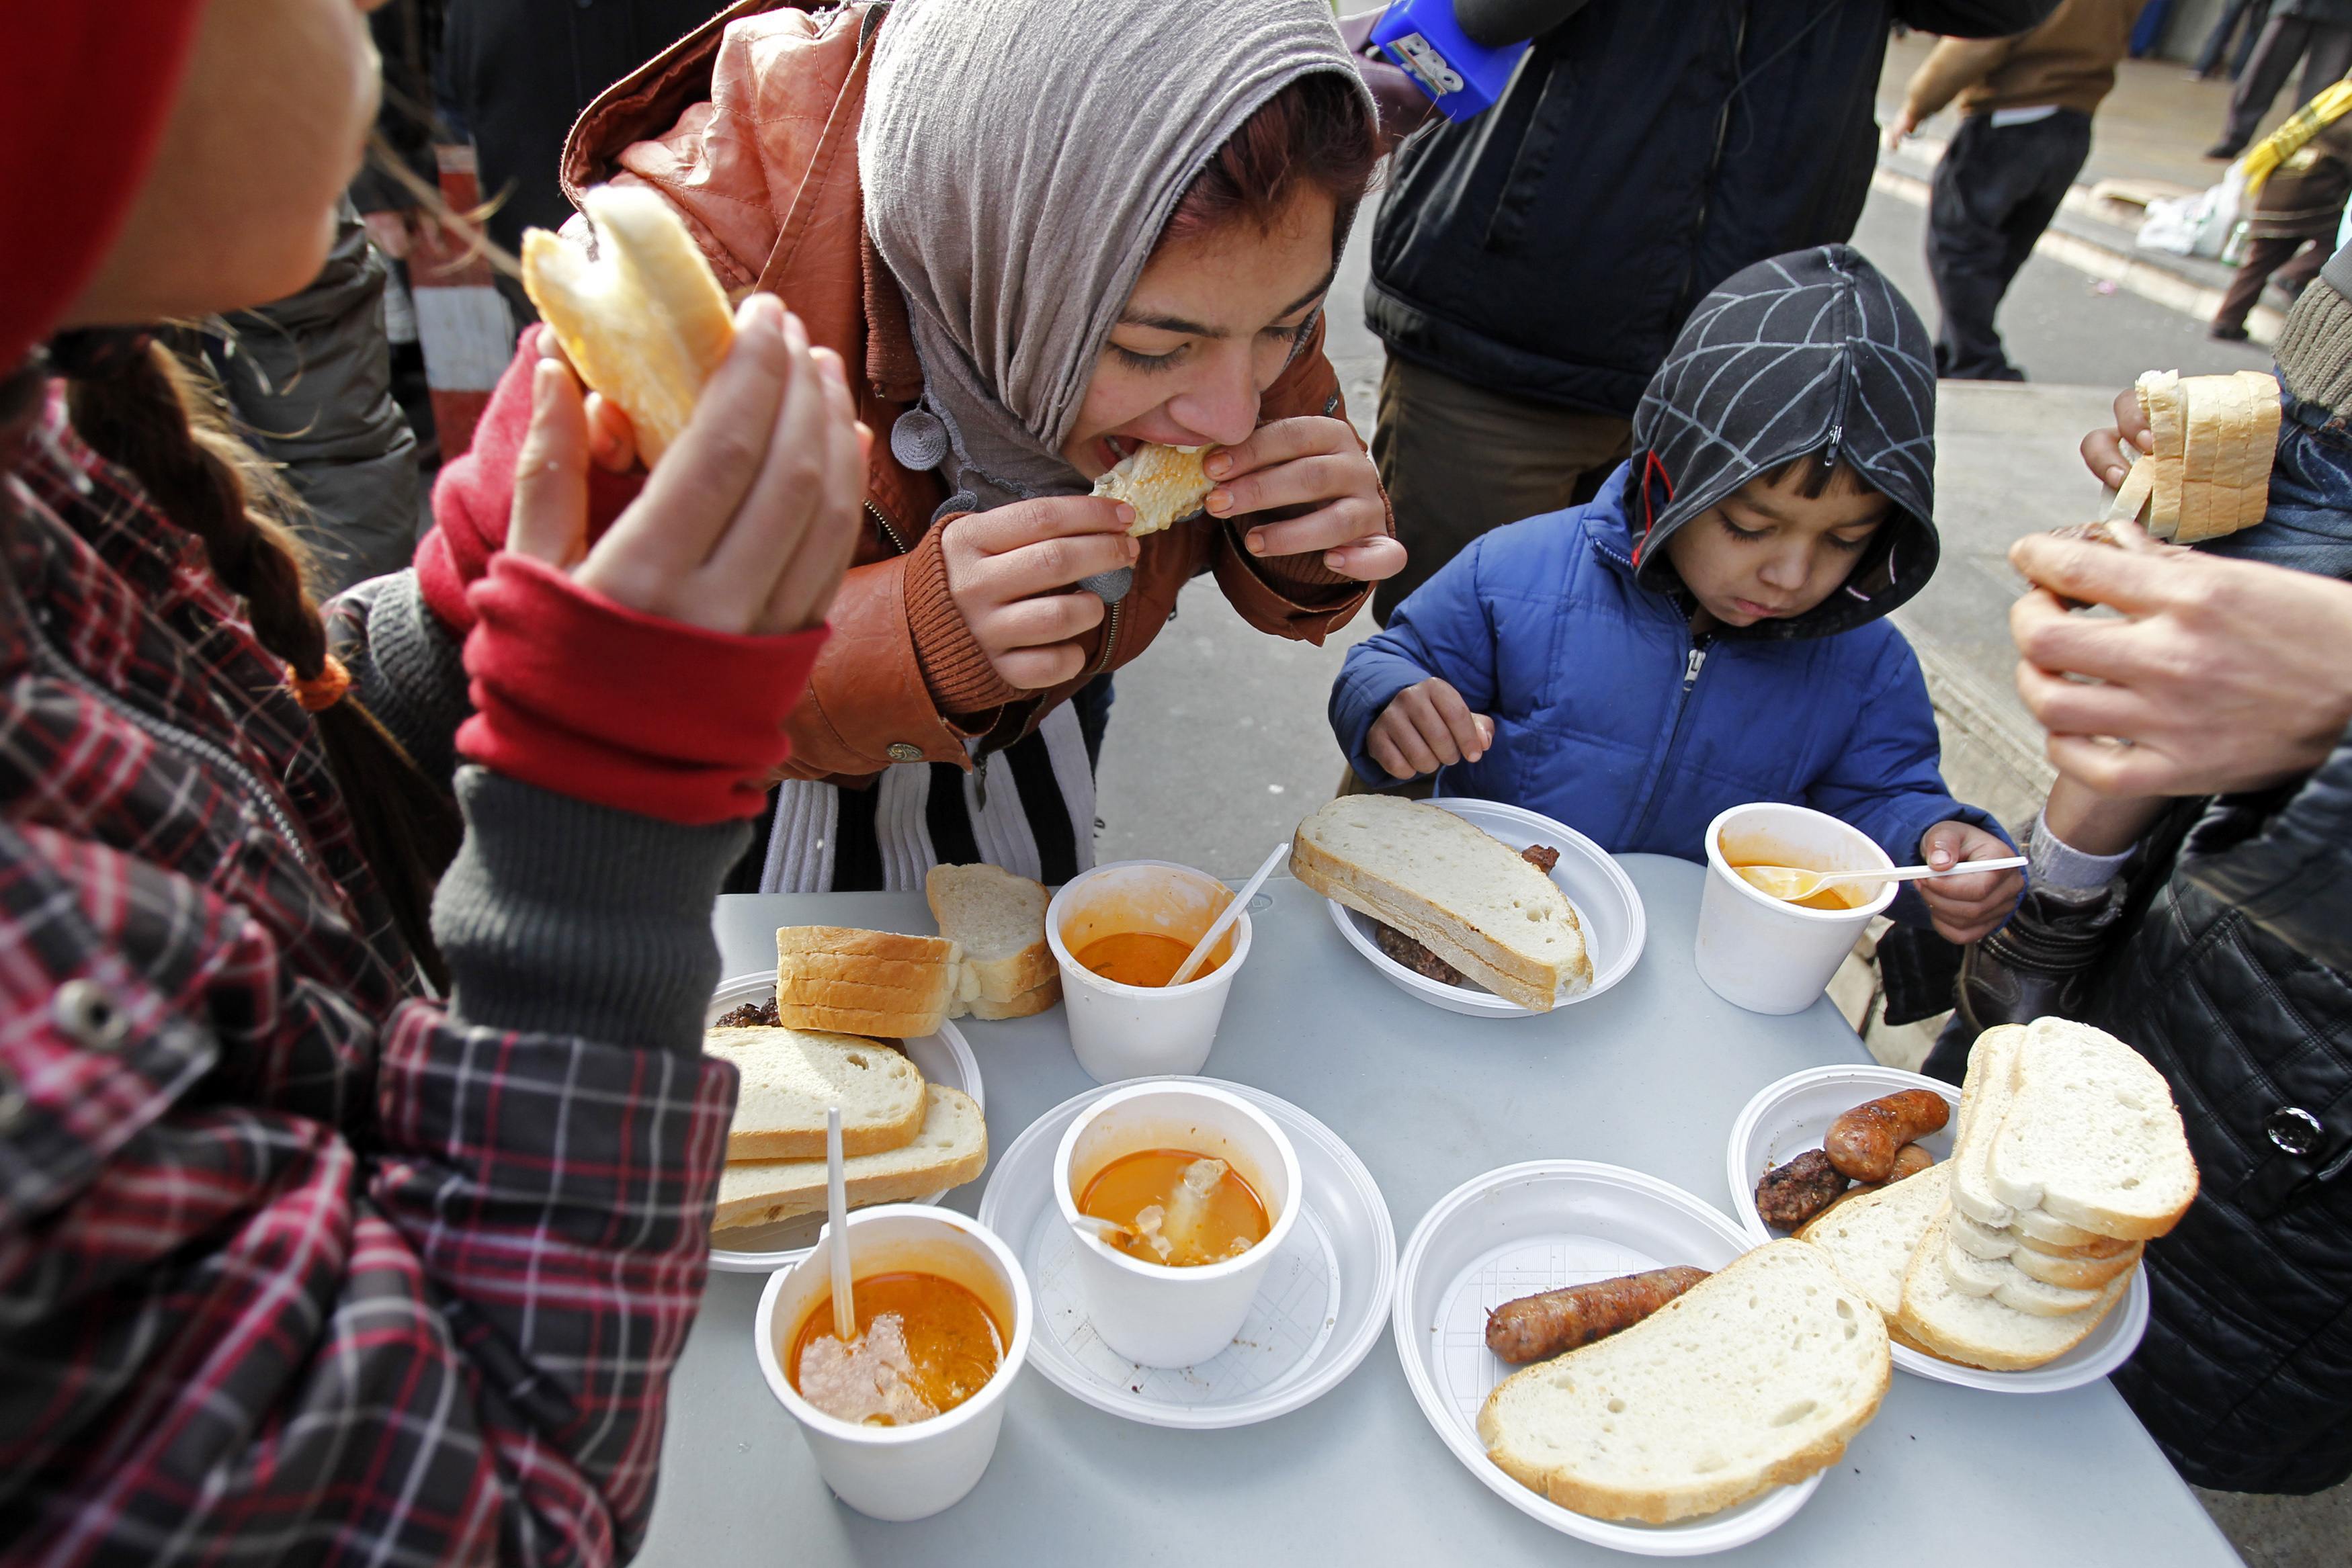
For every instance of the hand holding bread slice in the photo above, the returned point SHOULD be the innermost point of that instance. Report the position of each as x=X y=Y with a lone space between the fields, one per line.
x=2214 y=438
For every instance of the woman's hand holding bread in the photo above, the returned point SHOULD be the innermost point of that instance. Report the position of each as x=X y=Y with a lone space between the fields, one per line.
x=1308 y=461
x=1009 y=571
x=2222 y=675
x=1426 y=726
x=746 y=526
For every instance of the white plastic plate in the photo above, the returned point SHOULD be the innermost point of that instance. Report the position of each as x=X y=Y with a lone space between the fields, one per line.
x=1606 y=905
x=1317 y=1316
x=1788 y=1117
x=1543 y=1226
x=941 y=1057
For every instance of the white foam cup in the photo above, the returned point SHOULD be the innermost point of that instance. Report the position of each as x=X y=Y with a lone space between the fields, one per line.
x=1153 y=1314
x=1763 y=953
x=916 y=1470
x=1137 y=1031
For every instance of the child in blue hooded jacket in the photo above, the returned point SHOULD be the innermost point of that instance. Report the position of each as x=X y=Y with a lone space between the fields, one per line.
x=1710 y=629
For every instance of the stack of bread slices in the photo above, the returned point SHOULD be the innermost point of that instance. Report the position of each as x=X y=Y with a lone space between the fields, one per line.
x=840 y=993
x=2069 y=1158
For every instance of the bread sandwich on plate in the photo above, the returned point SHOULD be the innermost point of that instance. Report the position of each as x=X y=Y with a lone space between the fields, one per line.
x=1459 y=890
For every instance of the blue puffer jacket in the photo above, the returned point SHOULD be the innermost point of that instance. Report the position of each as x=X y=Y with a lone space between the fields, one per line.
x=1607 y=718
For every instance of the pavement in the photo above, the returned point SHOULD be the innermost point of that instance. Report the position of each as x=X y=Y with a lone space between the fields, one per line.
x=1218 y=744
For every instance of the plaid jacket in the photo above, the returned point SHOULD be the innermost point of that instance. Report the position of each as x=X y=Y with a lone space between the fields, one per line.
x=294 y=1268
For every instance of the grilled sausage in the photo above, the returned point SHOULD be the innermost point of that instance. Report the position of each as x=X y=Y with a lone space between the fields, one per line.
x=1535 y=1327
x=1789 y=1194
x=1910 y=1160
x=1863 y=1142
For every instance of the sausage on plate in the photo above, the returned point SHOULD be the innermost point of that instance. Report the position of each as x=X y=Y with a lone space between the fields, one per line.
x=1535 y=1327
x=1792 y=1194
x=1863 y=1143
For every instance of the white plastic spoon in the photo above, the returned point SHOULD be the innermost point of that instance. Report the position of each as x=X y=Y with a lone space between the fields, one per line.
x=837 y=1214
x=1232 y=911
x=1790 y=883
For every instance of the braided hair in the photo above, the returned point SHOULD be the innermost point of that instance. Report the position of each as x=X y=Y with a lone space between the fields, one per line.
x=144 y=411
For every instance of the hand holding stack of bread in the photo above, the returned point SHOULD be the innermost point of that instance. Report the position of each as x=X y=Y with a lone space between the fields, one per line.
x=2210 y=473
x=2070 y=1157
x=839 y=992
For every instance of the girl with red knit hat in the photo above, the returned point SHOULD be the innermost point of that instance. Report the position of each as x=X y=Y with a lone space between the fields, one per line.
x=340 y=1219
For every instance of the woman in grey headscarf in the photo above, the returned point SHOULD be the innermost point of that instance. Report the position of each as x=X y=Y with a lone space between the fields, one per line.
x=1045 y=231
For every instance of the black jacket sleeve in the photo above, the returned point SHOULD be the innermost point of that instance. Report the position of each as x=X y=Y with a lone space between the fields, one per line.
x=2292 y=874
x=1974 y=18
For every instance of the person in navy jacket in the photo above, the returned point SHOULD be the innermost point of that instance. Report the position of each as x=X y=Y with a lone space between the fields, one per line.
x=1710 y=630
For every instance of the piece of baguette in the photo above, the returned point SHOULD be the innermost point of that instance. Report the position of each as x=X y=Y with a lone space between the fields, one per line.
x=2090 y=1135
x=847 y=982
x=790 y=1076
x=950 y=1149
x=1757 y=1376
x=1461 y=893
x=1165 y=485
x=999 y=921
x=1870 y=1237
x=645 y=322
x=1977 y=1331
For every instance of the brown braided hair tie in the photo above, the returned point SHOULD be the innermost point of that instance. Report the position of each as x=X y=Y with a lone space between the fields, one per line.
x=323 y=690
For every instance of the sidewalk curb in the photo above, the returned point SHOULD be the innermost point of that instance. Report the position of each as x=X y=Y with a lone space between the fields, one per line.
x=2133 y=271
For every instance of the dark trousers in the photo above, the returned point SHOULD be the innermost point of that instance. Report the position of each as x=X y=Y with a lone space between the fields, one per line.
x=2324 y=50
x=1995 y=192
x=2263 y=258
x=2217 y=42
x=1457 y=460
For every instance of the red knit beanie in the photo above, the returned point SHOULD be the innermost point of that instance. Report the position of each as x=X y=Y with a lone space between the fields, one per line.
x=85 y=90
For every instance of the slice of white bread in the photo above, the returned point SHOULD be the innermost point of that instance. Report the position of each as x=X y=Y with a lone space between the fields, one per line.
x=2074 y=1271
x=999 y=921
x=1870 y=1237
x=790 y=1076
x=950 y=1150
x=1461 y=893
x=1984 y=1100
x=2090 y=1134
x=846 y=981
x=2036 y=1228
x=2011 y=1286
x=1977 y=1331
x=1755 y=1377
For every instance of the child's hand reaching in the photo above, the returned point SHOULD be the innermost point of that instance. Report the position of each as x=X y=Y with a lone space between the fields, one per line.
x=1426 y=726
x=1967 y=908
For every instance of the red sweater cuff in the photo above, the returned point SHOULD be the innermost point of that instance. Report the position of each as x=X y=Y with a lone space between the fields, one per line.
x=474 y=494
x=588 y=698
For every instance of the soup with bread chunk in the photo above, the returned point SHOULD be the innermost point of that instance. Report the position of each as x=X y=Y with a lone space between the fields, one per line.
x=1145 y=958
x=1181 y=1208
x=924 y=1346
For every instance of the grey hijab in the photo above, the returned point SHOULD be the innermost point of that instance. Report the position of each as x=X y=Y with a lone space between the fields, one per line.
x=1019 y=159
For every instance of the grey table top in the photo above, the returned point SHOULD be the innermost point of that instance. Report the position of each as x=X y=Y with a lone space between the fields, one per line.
x=1650 y=1075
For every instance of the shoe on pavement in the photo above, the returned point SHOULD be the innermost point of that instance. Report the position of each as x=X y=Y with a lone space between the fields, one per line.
x=2226 y=334
x=2224 y=152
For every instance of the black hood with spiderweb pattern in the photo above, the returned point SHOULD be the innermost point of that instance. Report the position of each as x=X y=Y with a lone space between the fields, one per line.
x=1811 y=351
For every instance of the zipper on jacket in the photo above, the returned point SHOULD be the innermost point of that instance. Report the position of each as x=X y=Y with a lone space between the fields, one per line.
x=1110 y=642
x=1714 y=166
x=884 y=523
x=1691 y=667
x=255 y=792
